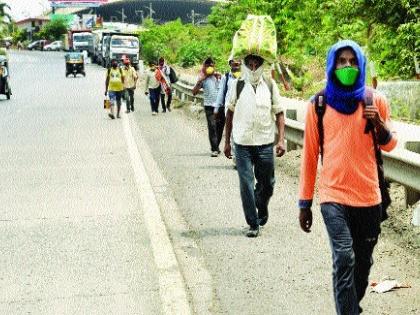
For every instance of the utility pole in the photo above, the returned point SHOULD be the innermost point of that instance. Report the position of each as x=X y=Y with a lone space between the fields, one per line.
x=123 y=16
x=151 y=11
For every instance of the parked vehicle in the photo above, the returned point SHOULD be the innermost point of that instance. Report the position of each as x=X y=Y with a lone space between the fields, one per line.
x=56 y=46
x=79 y=40
x=75 y=64
x=37 y=45
x=4 y=77
x=117 y=45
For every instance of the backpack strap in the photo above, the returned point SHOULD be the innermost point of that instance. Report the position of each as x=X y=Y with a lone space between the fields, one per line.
x=225 y=88
x=239 y=87
x=241 y=84
x=368 y=101
x=320 y=107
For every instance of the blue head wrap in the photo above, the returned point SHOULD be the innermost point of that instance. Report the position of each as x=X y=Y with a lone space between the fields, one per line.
x=345 y=99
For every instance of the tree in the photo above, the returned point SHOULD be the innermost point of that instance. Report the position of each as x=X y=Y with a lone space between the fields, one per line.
x=4 y=16
x=53 y=30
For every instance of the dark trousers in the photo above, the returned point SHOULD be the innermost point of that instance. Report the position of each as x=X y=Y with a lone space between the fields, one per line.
x=353 y=234
x=154 y=99
x=215 y=127
x=129 y=98
x=166 y=105
x=255 y=163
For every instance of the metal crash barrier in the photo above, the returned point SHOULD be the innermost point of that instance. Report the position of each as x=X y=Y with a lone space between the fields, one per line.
x=400 y=165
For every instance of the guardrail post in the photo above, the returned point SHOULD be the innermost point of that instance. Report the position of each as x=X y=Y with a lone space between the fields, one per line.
x=412 y=196
x=291 y=114
x=416 y=216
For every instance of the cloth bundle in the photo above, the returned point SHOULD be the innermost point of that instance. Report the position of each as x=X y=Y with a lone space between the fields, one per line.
x=257 y=36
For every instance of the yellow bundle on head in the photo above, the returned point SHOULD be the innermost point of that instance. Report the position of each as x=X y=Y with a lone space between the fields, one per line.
x=257 y=36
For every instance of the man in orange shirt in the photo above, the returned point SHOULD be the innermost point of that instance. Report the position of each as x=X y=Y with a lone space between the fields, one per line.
x=348 y=185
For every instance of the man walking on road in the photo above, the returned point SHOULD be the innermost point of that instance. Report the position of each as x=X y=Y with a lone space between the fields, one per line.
x=152 y=87
x=254 y=112
x=114 y=87
x=130 y=82
x=347 y=124
x=222 y=97
x=209 y=81
x=165 y=88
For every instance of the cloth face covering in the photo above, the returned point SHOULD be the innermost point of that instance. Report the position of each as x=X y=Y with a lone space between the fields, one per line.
x=253 y=76
x=345 y=99
x=347 y=75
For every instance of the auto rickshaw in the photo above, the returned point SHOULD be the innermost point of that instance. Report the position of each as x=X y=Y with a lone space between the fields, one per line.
x=75 y=64
x=4 y=77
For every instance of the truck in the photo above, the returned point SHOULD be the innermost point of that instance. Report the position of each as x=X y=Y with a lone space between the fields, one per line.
x=79 y=40
x=116 y=45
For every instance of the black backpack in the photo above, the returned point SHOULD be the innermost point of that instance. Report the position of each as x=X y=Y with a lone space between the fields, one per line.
x=320 y=106
x=172 y=75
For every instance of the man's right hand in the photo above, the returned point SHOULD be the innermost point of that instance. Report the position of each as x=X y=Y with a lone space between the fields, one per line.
x=305 y=219
x=146 y=93
x=228 y=150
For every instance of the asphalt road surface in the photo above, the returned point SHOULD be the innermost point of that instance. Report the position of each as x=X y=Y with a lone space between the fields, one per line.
x=133 y=216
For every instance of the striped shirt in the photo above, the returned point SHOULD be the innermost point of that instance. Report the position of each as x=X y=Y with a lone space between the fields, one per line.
x=210 y=90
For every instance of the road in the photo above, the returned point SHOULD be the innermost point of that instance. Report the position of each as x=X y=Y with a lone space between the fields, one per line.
x=132 y=216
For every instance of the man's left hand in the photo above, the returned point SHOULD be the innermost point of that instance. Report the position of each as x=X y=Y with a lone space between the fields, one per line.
x=280 y=149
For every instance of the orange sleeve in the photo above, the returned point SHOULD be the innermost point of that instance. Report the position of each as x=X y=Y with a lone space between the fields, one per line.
x=385 y=112
x=310 y=155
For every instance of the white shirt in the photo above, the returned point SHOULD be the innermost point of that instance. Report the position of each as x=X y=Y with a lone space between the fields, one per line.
x=254 y=121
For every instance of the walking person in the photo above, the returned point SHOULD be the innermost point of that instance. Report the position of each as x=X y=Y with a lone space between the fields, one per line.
x=152 y=87
x=209 y=81
x=114 y=87
x=130 y=83
x=222 y=97
x=254 y=112
x=347 y=124
x=165 y=88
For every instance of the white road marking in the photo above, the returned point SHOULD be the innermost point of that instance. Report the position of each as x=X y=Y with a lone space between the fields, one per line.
x=172 y=288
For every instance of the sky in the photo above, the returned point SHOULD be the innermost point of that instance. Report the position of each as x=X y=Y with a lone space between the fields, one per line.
x=21 y=9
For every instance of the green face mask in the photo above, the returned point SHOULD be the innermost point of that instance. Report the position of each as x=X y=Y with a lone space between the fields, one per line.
x=347 y=76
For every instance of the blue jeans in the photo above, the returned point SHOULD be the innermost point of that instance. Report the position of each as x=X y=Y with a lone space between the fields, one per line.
x=154 y=96
x=353 y=234
x=255 y=162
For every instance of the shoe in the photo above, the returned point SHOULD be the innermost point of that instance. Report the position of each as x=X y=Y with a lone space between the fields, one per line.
x=132 y=109
x=154 y=113
x=169 y=109
x=214 y=154
x=164 y=111
x=111 y=116
x=118 y=116
x=127 y=111
x=263 y=220
x=253 y=232
x=262 y=214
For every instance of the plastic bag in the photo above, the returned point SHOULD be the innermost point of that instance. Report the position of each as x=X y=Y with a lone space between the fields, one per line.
x=107 y=102
x=257 y=36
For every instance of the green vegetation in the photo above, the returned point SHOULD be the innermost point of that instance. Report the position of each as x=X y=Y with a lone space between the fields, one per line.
x=389 y=29
x=183 y=44
x=53 y=30
x=5 y=20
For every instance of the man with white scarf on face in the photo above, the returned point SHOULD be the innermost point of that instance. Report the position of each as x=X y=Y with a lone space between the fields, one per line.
x=254 y=112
